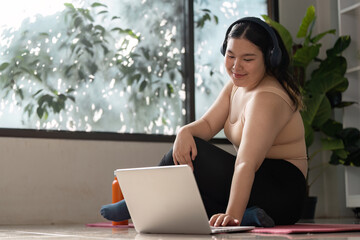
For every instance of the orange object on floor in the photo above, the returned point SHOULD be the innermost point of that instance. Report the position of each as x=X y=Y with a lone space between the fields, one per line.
x=116 y=197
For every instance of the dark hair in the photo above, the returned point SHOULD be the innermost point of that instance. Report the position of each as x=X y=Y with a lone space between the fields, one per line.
x=256 y=34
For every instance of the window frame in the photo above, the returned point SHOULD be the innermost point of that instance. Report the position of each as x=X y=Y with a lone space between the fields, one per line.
x=189 y=79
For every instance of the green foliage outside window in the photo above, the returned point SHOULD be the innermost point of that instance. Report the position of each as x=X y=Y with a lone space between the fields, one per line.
x=54 y=72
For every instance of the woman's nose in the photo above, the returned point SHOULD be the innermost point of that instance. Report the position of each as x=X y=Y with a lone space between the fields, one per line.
x=237 y=65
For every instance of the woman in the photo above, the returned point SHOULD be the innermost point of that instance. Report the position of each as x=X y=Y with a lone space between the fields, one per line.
x=264 y=184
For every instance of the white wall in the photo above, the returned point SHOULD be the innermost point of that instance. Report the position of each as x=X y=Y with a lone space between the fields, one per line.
x=64 y=181
x=330 y=186
x=46 y=181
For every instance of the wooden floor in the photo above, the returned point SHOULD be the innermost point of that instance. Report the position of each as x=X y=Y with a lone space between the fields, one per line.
x=65 y=232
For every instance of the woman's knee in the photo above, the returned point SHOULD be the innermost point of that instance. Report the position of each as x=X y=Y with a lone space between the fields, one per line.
x=167 y=160
x=168 y=157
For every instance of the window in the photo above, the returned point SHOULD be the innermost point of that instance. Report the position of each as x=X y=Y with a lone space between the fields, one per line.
x=100 y=66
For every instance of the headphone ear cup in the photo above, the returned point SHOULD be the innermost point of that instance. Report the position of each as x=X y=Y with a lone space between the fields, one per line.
x=223 y=49
x=275 y=56
x=268 y=59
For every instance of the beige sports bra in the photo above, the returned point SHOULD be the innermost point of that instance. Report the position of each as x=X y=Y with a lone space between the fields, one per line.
x=289 y=143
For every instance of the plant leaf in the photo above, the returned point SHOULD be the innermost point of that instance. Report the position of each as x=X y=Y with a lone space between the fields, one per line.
x=329 y=76
x=126 y=31
x=350 y=136
x=344 y=104
x=306 y=22
x=143 y=86
x=3 y=66
x=341 y=153
x=318 y=110
x=332 y=143
x=86 y=42
x=101 y=29
x=338 y=157
x=331 y=127
x=103 y=12
x=340 y=45
x=40 y=112
x=318 y=37
x=309 y=134
x=303 y=56
x=77 y=22
x=115 y=17
x=170 y=88
x=69 y=5
x=97 y=4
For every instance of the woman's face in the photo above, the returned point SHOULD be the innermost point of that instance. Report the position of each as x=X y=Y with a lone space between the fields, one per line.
x=244 y=62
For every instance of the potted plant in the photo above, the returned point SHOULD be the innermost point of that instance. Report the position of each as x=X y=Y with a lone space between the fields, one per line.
x=322 y=90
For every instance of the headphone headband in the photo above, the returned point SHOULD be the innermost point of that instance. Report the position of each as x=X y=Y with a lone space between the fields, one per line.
x=275 y=54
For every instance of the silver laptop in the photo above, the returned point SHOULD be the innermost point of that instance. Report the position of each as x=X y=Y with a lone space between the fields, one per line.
x=166 y=199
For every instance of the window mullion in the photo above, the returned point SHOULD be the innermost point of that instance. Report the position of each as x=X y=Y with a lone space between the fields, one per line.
x=189 y=65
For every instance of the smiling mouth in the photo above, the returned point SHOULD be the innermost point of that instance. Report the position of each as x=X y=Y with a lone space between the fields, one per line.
x=238 y=75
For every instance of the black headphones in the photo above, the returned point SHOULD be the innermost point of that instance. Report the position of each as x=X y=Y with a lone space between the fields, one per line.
x=274 y=54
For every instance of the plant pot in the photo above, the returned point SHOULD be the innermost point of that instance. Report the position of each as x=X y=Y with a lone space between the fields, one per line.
x=309 y=208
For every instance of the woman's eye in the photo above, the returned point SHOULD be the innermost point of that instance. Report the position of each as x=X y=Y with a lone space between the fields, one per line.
x=229 y=56
x=248 y=60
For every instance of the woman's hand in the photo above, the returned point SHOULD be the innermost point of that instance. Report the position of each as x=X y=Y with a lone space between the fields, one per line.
x=223 y=219
x=184 y=150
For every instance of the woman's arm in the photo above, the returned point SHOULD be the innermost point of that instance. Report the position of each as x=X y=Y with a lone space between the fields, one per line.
x=184 y=150
x=265 y=115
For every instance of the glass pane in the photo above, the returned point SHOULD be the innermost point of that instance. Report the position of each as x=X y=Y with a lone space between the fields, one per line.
x=92 y=66
x=212 y=19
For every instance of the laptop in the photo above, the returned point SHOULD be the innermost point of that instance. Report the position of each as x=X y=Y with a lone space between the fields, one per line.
x=166 y=200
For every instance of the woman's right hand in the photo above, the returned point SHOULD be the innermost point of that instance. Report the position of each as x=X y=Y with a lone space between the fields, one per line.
x=184 y=150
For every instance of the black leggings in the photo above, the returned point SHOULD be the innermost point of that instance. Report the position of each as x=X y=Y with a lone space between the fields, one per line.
x=279 y=187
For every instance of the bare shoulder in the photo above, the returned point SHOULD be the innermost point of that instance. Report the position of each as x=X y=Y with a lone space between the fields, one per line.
x=272 y=93
x=228 y=88
x=267 y=104
x=225 y=93
x=268 y=99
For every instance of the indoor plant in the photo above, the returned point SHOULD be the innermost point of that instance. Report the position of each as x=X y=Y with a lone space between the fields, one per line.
x=321 y=89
